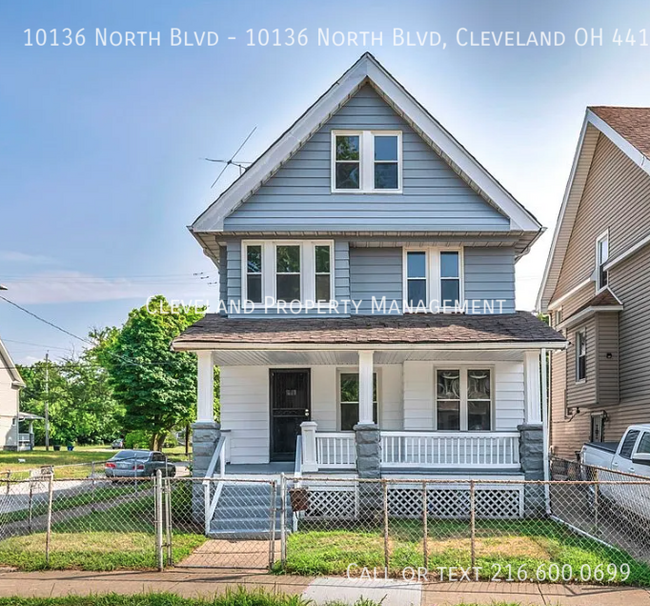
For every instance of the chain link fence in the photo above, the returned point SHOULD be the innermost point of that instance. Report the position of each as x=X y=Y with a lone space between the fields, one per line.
x=584 y=524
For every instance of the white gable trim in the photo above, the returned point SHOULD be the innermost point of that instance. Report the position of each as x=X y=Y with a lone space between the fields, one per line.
x=5 y=358
x=367 y=68
x=592 y=127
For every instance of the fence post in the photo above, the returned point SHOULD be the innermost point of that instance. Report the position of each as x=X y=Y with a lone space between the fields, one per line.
x=168 y=522
x=425 y=530
x=206 y=505
x=386 y=545
x=31 y=505
x=272 y=526
x=596 y=508
x=158 y=519
x=283 y=520
x=472 y=518
x=48 y=534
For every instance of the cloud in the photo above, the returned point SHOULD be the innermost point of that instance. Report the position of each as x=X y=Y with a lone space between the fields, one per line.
x=77 y=287
x=15 y=256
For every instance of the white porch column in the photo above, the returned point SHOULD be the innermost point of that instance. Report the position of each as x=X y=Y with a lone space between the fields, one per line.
x=365 y=387
x=308 y=432
x=205 y=388
x=533 y=388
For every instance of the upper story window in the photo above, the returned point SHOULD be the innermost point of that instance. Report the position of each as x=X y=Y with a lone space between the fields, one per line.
x=602 y=255
x=286 y=271
x=581 y=355
x=433 y=279
x=254 y=272
x=366 y=161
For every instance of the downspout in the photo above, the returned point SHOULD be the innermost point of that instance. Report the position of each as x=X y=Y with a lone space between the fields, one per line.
x=545 y=428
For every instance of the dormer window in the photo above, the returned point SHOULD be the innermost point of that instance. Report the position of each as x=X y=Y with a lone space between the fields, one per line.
x=366 y=161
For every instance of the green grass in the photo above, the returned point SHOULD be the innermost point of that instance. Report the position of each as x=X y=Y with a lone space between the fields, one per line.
x=502 y=548
x=119 y=538
x=99 y=495
x=239 y=597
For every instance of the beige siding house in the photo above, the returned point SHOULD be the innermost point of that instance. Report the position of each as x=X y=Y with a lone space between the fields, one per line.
x=596 y=286
x=10 y=385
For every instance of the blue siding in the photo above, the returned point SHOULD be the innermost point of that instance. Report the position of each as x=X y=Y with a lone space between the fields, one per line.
x=223 y=274
x=376 y=272
x=341 y=270
x=234 y=270
x=298 y=197
x=490 y=274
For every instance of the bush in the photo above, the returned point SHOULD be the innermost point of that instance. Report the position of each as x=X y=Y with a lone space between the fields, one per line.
x=137 y=439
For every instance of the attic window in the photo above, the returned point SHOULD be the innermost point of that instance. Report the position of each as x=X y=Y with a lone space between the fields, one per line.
x=602 y=255
x=366 y=161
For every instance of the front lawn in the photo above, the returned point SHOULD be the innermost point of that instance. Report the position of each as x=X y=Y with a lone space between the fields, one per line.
x=522 y=550
x=33 y=459
x=120 y=537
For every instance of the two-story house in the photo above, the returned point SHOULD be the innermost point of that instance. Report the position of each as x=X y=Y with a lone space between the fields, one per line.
x=596 y=286
x=376 y=257
x=10 y=385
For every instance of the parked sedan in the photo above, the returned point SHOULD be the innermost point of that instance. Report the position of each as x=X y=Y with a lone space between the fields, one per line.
x=138 y=464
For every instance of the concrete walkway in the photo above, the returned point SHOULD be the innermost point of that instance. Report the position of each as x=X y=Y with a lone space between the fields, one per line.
x=206 y=583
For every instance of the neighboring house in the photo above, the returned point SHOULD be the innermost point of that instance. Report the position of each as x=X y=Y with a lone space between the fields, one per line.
x=596 y=286
x=367 y=195
x=10 y=386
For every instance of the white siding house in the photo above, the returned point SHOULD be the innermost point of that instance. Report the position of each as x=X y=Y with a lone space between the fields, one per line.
x=10 y=386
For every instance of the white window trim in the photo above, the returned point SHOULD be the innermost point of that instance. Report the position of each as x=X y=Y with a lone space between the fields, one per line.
x=604 y=236
x=351 y=370
x=366 y=161
x=463 y=369
x=307 y=268
x=433 y=287
x=581 y=334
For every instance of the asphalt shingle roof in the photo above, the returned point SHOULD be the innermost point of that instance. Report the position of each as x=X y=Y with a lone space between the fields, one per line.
x=408 y=329
x=632 y=123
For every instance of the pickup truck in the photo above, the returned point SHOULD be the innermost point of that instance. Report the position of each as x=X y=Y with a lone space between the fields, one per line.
x=629 y=456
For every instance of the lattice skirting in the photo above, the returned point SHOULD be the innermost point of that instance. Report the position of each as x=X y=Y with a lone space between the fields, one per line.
x=505 y=502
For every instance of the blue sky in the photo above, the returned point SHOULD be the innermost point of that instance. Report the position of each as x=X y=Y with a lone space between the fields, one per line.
x=100 y=147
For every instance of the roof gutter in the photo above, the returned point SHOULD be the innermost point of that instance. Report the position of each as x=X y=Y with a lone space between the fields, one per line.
x=471 y=346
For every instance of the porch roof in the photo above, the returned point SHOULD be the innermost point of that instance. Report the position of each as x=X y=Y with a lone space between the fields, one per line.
x=518 y=329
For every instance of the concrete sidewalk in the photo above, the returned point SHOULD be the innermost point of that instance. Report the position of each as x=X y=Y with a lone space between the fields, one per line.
x=206 y=583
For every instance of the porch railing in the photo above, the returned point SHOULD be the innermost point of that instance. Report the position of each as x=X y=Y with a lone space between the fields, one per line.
x=470 y=450
x=335 y=450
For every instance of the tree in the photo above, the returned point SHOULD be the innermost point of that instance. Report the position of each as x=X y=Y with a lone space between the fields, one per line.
x=156 y=386
x=81 y=404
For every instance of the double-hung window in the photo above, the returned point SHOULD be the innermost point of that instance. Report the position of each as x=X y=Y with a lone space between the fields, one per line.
x=416 y=278
x=602 y=255
x=254 y=272
x=323 y=272
x=463 y=399
x=366 y=161
x=449 y=277
x=433 y=280
x=349 y=399
x=581 y=355
x=347 y=156
x=286 y=271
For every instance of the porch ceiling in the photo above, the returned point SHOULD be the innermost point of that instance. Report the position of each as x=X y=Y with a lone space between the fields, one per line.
x=247 y=357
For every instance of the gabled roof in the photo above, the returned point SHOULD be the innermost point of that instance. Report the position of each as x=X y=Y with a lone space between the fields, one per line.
x=629 y=129
x=366 y=70
x=8 y=363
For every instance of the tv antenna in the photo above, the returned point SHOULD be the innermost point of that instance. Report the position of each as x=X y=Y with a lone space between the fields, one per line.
x=232 y=162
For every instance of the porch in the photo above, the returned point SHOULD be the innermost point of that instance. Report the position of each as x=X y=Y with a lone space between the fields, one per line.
x=311 y=412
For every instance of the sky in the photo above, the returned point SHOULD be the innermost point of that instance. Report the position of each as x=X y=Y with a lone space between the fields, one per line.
x=101 y=147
